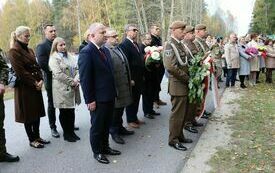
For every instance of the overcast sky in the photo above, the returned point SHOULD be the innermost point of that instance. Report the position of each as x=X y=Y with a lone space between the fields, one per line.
x=240 y=9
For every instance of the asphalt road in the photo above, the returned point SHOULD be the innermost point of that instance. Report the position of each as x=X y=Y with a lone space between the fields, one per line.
x=146 y=151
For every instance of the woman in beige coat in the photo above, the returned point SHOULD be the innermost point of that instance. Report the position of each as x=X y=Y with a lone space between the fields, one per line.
x=270 y=59
x=254 y=61
x=65 y=86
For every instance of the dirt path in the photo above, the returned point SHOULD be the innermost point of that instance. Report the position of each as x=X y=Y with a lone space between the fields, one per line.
x=217 y=134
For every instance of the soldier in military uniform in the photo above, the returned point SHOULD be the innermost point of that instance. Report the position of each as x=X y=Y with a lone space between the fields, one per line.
x=190 y=50
x=176 y=63
x=200 y=35
x=4 y=156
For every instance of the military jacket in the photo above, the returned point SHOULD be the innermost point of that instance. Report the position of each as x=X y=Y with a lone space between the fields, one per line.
x=3 y=71
x=201 y=45
x=191 y=49
x=176 y=63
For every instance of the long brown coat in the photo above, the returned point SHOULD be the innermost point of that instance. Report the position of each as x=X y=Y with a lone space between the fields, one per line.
x=270 y=59
x=28 y=101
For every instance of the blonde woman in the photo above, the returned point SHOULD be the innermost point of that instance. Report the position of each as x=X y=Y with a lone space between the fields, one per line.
x=28 y=99
x=65 y=86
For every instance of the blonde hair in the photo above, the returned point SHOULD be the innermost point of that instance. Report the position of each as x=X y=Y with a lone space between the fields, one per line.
x=54 y=45
x=15 y=34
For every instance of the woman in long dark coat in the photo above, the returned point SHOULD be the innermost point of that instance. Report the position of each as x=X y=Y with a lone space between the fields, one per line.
x=28 y=99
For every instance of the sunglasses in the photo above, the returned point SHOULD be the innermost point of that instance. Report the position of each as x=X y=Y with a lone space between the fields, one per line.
x=135 y=30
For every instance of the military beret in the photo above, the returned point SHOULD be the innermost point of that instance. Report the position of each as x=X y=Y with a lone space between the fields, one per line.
x=200 y=27
x=177 y=24
x=189 y=29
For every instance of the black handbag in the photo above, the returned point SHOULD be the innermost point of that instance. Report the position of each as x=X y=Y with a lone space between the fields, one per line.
x=12 y=79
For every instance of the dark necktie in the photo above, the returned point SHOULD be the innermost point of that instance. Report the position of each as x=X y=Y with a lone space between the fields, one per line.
x=102 y=55
x=135 y=44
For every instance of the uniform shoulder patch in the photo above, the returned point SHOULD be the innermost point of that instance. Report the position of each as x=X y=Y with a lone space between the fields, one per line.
x=168 y=53
x=168 y=50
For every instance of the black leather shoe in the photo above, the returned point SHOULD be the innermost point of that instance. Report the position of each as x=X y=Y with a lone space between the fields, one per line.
x=178 y=146
x=196 y=124
x=69 y=138
x=155 y=113
x=76 y=128
x=205 y=116
x=186 y=140
x=6 y=157
x=191 y=129
x=75 y=136
x=124 y=131
x=55 y=133
x=43 y=141
x=111 y=151
x=206 y=113
x=149 y=116
x=118 y=139
x=101 y=158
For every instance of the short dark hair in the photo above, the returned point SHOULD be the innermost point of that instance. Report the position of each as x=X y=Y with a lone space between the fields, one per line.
x=267 y=41
x=46 y=25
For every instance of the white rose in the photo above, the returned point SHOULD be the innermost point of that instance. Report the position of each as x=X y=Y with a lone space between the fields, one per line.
x=154 y=48
x=147 y=49
x=155 y=56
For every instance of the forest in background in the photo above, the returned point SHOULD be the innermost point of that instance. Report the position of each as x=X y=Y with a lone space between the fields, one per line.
x=72 y=17
x=263 y=19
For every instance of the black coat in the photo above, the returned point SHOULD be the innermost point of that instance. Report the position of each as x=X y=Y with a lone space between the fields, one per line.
x=83 y=44
x=43 y=54
x=136 y=63
x=156 y=41
x=96 y=74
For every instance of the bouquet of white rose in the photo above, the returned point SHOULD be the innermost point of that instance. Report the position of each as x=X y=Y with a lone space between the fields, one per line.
x=152 y=55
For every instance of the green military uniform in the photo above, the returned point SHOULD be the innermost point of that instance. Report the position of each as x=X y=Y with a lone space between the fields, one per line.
x=216 y=53
x=201 y=45
x=3 y=80
x=176 y=63
x=191 y=50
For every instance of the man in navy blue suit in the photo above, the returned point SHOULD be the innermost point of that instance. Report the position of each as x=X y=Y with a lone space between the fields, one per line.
x=97 y=82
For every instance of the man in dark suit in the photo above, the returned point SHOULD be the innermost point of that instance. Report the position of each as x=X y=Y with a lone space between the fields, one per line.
x=43 y=54
x=136 y=63
x=155 y=32
x=98 y=85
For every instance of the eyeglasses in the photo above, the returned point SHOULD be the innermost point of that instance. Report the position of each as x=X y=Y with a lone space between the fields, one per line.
x=114 y=36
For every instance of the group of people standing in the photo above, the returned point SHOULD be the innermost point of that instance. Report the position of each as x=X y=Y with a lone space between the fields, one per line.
x=113 y=77
x=239 y=62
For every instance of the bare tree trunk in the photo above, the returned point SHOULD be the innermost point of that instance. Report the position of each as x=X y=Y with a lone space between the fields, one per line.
x=106 y=9
x=78 y=22
x=201 y=11
x=144 y=16
x=190 y=15
x=162 y=20
x=182 y=10
x=171 y=14
x=139 y=17
x=196 y=11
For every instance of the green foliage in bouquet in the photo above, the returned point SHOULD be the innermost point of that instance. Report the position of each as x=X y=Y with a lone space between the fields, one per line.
x=197 y=73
